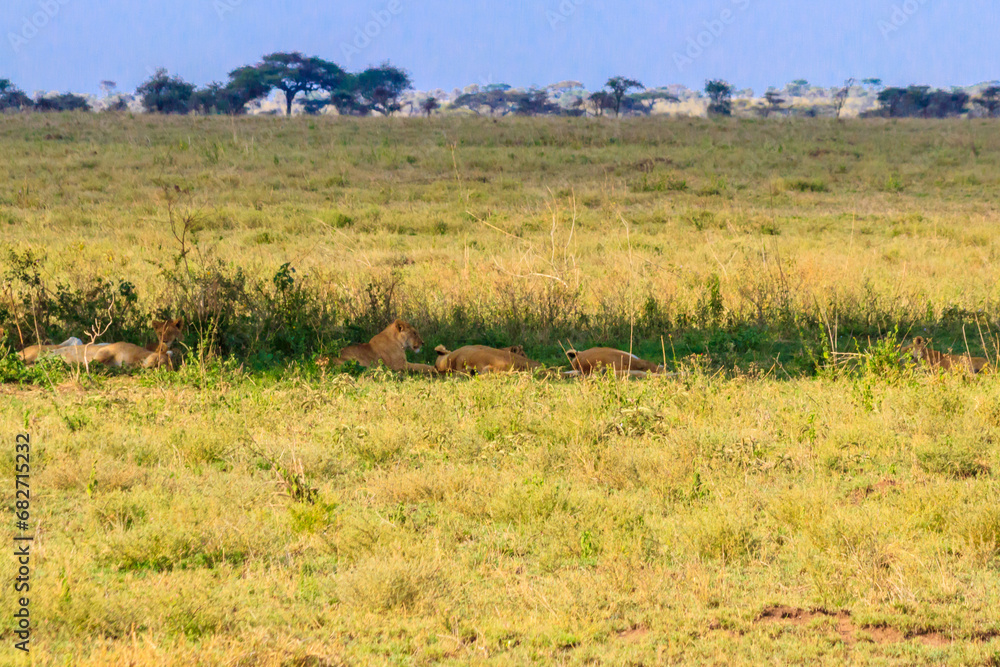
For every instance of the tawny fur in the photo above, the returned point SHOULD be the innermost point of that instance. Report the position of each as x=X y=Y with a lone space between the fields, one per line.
x=483 y=359
x=115 y=354
x=389 y=347
x=127 y=354
x=597 y=358
x=920 y=353
x=30 y=354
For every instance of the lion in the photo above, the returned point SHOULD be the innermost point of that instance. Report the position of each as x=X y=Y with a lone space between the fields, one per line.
x=598 y=358
x=167 y=332
x=482 y=359
x=919 y=352
x=127 y=354
x=30 y=354
x=118 y=355
x=389 y=347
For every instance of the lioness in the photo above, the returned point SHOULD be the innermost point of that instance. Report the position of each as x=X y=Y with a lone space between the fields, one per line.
x=389 y=347
x=167 y=332
x=119 y=354
x=597 y=358
x=919 y=352
x=483 y=359
x=127 y=354
x=30 y=354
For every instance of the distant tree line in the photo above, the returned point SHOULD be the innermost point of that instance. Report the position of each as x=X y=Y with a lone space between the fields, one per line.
x=319 y=83
x=923 y=102
x=13 y=98
x=616 y=98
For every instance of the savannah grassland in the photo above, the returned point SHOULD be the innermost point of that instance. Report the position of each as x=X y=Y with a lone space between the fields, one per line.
x=256 y=507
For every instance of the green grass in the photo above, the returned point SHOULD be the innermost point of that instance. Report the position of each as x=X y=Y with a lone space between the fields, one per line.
x=256 y=508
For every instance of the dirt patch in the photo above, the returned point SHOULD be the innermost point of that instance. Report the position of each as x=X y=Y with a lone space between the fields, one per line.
x=633 y=634
x=799 y=617
x=882 y=488
x=849 y=632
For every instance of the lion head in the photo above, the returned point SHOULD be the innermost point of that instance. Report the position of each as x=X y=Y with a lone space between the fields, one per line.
x=916 y=348
x=168 y=331
x=407 y=336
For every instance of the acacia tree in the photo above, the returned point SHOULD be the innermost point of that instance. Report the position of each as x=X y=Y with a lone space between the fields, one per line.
x=644 y=102
x=247 y=84
x=429 y=104
x=293 y=73
x=721 y=95
x=600 y=102
x=618 y=87
x=379 y=88
x=496 y=100
x=774 y=102
x=872 y=83
x=533 y=102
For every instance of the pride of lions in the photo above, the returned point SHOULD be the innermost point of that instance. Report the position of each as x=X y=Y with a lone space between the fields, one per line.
x=390 y=346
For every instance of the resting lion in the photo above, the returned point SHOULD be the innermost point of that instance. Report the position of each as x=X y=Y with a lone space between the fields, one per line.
x=482 y=359
x=113 y=354
x=127 y=354
x=389 y=347
x=598 y=358
x=919 y=352
x=30 y=354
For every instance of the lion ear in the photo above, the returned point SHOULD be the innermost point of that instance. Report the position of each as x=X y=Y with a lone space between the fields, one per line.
x=159 y=326
x=400 y=325
x=179 y=323
x=441 y=349
x=571 y=354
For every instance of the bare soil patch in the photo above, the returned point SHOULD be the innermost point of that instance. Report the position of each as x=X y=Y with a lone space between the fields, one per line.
x=849 y=632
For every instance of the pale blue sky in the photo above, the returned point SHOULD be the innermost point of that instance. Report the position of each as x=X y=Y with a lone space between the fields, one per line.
x=71 y=45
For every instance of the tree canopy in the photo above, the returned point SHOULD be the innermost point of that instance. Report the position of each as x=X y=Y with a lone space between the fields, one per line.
x=12 y=97
x=379 y=88
x=618 y=87
x=721 y=95
x=294 y=74
x=163 y=93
